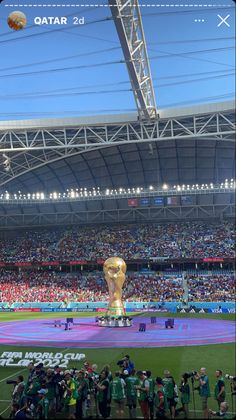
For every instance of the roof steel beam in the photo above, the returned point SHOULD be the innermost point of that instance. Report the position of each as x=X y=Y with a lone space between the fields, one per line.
x=127 y=18
x=28 y=149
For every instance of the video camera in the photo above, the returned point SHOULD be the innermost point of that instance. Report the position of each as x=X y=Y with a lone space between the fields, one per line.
x=230 y=377
x=11 y=382
x=190 y=374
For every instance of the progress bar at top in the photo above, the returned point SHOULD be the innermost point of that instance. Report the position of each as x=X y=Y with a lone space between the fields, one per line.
x=107 y=5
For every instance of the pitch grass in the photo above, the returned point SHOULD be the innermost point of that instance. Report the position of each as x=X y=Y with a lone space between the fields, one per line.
x=176 y=359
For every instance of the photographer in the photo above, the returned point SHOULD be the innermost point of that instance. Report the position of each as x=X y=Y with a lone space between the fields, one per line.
x=219 y=387
x=169 y=390
x=204 y=390
x=18 y=391
x=159 y=399
x=142 y=393
x=185 y=395
x=93 y=378
x=82 y=388
x=103 y=394
x=70 y=395
x=222 y=413
x=17 y=412
x=131 y=393
x=151 y=393
x=118 y=394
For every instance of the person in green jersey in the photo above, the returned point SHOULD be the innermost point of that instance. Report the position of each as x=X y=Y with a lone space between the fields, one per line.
x=131 y=393
x=185 y=396
x=103 y=394
x=118 y=394
x=159 y=399
x=219 y=387
x=151 y=393
x=43 y=405
x=204 y=390
x=142 y=393
x=169 y=391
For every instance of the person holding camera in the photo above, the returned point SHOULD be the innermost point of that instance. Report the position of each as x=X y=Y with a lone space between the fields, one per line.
x=219 y=387
x=222 y=413
x=70 y=395
x=185 y=395
x=159 y=399
x=103 y=396
x=18 y=391
x=142 y=393
x=82 y=388
x=118 y=394
x=151 y=393
x=169 y=390
x=42 y=408
x=131 y=393
x=204 y=390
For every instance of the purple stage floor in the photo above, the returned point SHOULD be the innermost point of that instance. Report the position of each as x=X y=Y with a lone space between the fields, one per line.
x=86 y=334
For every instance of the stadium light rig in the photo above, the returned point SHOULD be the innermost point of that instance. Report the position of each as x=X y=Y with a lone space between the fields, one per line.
x=96 y=193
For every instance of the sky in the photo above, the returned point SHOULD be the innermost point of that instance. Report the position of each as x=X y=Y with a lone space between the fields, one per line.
x=75 y=70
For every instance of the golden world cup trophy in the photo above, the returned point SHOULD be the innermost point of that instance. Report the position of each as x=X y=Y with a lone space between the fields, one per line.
x=114 y=270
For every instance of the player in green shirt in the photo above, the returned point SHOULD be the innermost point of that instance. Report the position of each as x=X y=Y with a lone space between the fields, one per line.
x=131 y=393
x=118 y=394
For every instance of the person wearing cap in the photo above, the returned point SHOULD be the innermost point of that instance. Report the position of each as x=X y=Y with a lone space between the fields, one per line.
x=70 y=395
x=42 y=408
x=131 y=393
x=169 y=390
x=142 y=393
x=118 y=394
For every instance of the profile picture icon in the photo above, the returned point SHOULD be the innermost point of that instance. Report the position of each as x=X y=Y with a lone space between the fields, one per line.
x=17 y=20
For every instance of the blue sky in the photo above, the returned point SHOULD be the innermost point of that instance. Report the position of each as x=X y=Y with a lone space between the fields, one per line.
x=191 y=62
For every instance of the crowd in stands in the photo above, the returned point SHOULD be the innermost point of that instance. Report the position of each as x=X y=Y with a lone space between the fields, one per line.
x=46 y=286
x=90 y=392
x=131 y=242
x=211 y=288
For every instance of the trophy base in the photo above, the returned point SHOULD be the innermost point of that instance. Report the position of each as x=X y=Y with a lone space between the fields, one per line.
x=114 y=322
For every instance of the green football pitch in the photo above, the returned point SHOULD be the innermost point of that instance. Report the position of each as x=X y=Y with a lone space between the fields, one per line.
x=177 y=359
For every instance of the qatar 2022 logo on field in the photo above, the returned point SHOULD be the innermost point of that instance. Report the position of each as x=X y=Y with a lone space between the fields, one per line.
x=17 y=20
